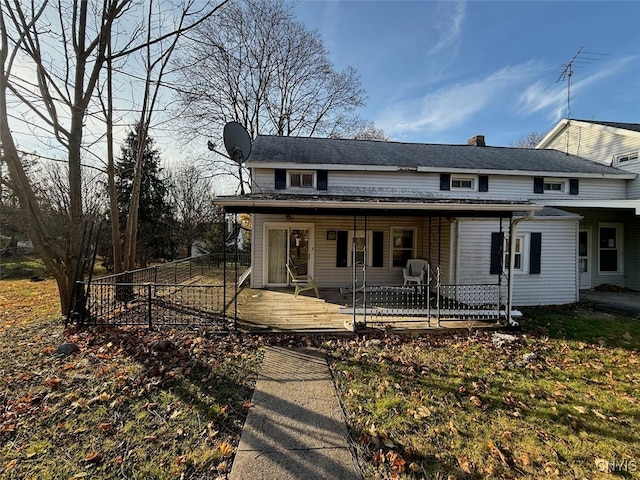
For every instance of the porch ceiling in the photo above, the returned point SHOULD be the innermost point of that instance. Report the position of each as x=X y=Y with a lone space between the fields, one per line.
x=350 y=205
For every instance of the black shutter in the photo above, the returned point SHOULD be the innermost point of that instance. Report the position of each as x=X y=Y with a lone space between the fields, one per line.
x=497 y=243
x=378 y=249
x=535 y=252
x=321 y=180
x=574 y=186
x=445 y=181
x=281 y=179
x=538 y=185
x=342 y=248
x=483 y=183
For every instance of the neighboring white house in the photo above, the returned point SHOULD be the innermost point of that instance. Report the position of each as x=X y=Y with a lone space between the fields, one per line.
x=609 y=237
x=349 y=211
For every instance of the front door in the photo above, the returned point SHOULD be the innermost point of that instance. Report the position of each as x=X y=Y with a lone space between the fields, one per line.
x=584 y=258
x=287 y=243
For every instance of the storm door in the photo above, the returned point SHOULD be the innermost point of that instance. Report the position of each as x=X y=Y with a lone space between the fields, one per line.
x=584 y=258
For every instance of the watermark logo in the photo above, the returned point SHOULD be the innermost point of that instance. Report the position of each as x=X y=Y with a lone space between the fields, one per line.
x=617 y=465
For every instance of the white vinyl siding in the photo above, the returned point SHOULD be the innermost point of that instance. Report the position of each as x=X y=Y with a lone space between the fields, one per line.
x=412 y=184
x=325 y=272
x=602 y=145
x=557 y=281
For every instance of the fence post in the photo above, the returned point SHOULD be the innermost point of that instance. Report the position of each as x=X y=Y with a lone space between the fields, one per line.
x=149 y=314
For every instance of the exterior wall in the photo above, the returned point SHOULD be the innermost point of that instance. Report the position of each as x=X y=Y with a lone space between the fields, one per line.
x=557 y=283
x=412 y=184
x=325 y=272
x=594 y=217
x=600 y=144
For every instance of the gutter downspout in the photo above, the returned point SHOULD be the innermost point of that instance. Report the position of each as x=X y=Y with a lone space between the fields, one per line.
x=512 y=231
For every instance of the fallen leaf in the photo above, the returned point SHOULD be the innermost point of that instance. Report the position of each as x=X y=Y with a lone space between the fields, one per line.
x=627 y=336
x=466 y=465
x=378 y=457
x=225 y=449
x=414 y=467
x=475 y=401
x=105 y=427
x=93 y=457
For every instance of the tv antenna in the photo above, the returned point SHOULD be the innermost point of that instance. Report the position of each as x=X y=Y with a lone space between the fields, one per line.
x=578 y=60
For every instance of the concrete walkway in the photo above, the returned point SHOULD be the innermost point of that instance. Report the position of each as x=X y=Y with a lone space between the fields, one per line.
x=295 y=428
x=623 y=302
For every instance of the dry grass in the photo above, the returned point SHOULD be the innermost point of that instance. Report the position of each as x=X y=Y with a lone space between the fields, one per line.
x=460 y=406
x=129 y=403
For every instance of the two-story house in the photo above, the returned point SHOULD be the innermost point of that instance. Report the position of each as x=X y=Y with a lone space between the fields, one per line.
x=351 y=213
x=609 y=236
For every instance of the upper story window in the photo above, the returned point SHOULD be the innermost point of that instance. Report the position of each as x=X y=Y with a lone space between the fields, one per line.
x=462 y=183
x=553 y=186
x=629 y=157
x=311 y=179
x=301 y=179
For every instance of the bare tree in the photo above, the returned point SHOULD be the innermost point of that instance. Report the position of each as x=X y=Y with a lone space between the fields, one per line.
x=255 y=64
x=193 y=197
x=529 y=141
x=52 y=57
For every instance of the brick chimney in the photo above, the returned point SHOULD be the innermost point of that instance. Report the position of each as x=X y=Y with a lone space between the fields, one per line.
x=477 y=141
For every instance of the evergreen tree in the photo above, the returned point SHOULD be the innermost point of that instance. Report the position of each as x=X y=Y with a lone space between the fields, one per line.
x=157 y=229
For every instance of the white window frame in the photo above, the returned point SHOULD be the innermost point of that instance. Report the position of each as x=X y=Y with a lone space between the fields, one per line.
x=393 y=247
x=619 y=243
x=524 y=253
x=554 y=181
x=464 y=178
x=369 y=244
x=312 y=173
x=626 y=159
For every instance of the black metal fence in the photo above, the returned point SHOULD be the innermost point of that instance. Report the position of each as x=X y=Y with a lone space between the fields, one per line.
x=191 y=291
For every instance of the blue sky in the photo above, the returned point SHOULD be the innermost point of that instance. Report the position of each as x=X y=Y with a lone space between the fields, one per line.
x=441 y=72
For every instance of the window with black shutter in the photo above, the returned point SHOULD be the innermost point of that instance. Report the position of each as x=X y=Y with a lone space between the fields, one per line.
x=483 y=183
x=574 y=186
x=280 y=179
x=445 y=181
x=497 y=242
x=322 y=180
x=535 y=253
x=538 y=185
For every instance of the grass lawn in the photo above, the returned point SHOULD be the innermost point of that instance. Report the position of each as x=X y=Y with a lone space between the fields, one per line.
x=562 y=400
x=559 y=401
x=130 y=403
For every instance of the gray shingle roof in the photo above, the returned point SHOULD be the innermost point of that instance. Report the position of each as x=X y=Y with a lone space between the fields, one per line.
x=318 y=151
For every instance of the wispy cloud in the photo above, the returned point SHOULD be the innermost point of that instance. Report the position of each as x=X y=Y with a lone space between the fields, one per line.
x=452 y=106
x=450 y=30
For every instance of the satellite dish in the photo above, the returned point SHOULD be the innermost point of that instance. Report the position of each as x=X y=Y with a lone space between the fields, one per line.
x=237 y=141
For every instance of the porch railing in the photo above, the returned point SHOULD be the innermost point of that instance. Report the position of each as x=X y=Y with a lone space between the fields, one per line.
x=433 y=301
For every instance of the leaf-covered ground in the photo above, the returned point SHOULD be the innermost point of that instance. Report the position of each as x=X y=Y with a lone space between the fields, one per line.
x=129 y=403
x=469 y=406
x=559 y=400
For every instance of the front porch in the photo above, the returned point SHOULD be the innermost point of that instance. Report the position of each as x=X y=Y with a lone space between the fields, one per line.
x=276 y=310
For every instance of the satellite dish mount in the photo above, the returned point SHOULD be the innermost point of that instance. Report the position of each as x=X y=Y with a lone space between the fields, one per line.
x=237 y=142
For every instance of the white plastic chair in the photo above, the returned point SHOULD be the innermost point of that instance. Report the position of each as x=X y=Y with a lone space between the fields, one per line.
x=414 y=271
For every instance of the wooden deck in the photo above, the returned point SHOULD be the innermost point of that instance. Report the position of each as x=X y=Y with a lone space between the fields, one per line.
x=277 y=310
